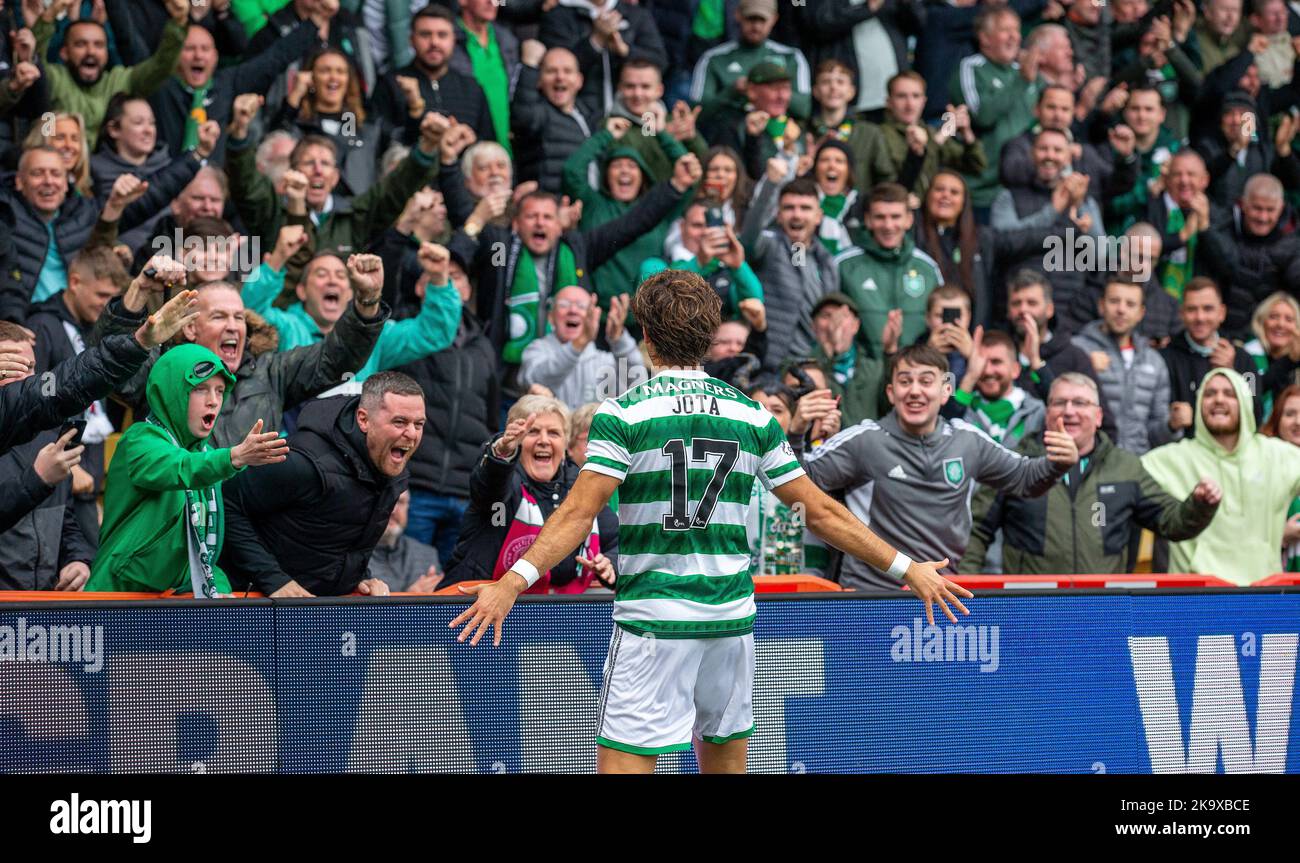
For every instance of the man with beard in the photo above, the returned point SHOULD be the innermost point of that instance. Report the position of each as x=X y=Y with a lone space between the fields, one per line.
x=307 y=526
x=988 y=396
x=429 y=79
x=1199 y=348
x=1259 y=475
x=83 y=84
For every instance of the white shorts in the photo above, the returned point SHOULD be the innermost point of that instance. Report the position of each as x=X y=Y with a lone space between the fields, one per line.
x=661 y=692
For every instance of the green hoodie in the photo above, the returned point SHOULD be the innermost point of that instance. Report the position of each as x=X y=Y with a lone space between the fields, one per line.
x=144 y=543
x=1259 y=479
x=621 y=273
x=878 y=280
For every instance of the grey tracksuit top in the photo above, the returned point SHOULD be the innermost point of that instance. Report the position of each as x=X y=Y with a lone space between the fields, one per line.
x=915 y=492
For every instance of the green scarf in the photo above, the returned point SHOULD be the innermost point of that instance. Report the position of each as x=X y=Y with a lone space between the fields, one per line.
x=1176 y=276
x=490 y=72
x=197 y=117
x=524 y=305
x=995 y=415
x=200 y=520
x=844 y=365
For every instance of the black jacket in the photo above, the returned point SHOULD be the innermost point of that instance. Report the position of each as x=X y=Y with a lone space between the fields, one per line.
x=41 y=533
x=1249 y=268
x=172 y=103
x=569 y=27
x=495 y=483
x=73 y=226
x=452 y=95
x=462 y=397
x=30 y=406
x=314 y=518
x=1060 y=355
x=544 y=136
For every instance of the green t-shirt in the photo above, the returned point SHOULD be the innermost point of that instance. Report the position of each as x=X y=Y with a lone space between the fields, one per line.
x=710 y=23
x=490 y=72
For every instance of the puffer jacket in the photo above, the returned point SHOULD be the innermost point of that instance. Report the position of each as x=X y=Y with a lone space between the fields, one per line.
x=167 y=176
x=1060 y=533
x=1249 y=268
x=1138 y=396
x=544 y=136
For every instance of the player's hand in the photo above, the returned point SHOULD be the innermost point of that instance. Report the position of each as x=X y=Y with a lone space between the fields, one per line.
x=1207 y=491
x=493 y=603
x=930 y=587
x=1061 y=448
x=604 y=568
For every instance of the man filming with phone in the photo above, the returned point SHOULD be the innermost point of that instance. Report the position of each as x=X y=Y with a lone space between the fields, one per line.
x=718 y=256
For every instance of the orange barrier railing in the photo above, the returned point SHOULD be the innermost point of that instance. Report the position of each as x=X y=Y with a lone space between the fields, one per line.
x=798 y=583
x=1033 y=582
x=1281 y=579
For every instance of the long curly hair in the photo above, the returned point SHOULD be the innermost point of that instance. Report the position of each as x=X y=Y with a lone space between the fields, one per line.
x=353 y=102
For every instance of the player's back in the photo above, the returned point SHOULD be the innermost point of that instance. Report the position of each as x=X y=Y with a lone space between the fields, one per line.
x=688 y=449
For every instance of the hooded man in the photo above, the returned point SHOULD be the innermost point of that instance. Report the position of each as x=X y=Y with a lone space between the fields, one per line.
x=163 y=516
x=624 y=178
x=1259 y=475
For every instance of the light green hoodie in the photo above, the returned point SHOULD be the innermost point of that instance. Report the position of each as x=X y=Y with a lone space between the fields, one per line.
x=1259 y=479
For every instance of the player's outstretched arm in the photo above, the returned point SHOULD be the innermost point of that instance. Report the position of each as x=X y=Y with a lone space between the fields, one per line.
x=831 y=521
x=567 y=527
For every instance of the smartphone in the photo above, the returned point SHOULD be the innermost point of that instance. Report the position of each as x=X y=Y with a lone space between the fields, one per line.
x=79 y=425
x=713 y=218
x=951 y=315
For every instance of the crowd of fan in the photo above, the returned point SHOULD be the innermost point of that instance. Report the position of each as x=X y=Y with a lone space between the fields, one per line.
x=925 y=221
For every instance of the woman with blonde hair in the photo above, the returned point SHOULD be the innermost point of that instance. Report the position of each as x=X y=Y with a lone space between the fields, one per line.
x=66 y=132
x=523 y=476
x=1276 y=346
x=1284 y=423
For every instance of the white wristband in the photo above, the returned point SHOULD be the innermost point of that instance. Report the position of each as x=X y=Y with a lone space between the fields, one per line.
x=526 y=571
x=897 y=569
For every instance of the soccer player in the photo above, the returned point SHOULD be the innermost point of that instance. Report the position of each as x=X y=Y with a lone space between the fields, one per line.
x=683 y=450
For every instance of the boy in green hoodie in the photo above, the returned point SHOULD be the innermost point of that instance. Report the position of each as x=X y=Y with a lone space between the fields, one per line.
x=162 y=506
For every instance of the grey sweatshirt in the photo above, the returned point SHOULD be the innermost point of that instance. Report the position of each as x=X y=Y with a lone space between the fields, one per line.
x=915 y=492
x=592 y=376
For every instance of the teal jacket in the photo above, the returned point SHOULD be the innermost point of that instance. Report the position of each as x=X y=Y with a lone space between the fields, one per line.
x=143 y=543
x=400 y=342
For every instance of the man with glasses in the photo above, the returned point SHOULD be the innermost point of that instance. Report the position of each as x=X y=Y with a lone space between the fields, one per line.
x=566 y=360
x=1086 y=520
